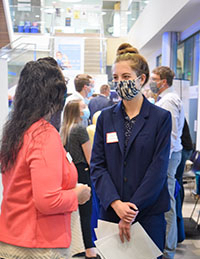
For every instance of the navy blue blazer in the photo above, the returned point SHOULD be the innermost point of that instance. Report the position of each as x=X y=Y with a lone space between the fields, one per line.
x=98 y=103
x=139 y=175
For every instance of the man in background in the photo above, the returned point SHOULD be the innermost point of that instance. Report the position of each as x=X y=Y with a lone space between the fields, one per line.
x=101 y=101
x=84 y=85
x=161 y=83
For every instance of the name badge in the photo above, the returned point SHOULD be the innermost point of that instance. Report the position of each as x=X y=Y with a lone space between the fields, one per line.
x=69 y=158
x=111 y=137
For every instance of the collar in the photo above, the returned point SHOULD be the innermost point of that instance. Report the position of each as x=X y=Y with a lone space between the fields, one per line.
x=103 y=95
x=145 y=109
x=79 y=95
x=166 y=91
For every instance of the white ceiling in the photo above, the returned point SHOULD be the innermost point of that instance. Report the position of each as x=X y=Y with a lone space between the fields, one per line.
x=188 y=15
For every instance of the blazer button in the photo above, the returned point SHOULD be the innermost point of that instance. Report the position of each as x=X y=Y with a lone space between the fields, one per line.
x=125 y=179
x=125 y=163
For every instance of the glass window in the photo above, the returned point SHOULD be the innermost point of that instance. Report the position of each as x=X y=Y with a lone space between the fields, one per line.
x=188 y=59
x=180 y=61
x=159 y=60
x=188 y=55
x=196 y=59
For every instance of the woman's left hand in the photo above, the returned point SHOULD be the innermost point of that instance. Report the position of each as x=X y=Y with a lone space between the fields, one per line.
x=124 y=230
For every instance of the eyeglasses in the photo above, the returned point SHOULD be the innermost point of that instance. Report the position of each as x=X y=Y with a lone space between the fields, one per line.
x=155 y=79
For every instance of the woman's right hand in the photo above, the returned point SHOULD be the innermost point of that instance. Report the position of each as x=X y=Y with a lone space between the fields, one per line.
x=124 y=230
x=83 y=192
x=125 y=210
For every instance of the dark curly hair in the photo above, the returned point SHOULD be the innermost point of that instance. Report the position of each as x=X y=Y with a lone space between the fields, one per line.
x=40 y=92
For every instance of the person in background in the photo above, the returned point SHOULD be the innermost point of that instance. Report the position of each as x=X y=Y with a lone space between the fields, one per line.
x=161 y=83
x=151 y=97
x=186 y=142
x=76 y=141
x=95 y=201
x=92 y=127
x=62 y=60
x=84 y=85
x=39 y=180
x=131 y=151
x=101 y=101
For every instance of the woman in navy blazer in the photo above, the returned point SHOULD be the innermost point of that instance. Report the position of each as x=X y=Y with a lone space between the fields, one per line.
x=130 y=153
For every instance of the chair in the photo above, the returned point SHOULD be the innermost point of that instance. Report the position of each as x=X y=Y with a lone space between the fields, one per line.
x=197 y=196
x=189 y=175
x=196 y=168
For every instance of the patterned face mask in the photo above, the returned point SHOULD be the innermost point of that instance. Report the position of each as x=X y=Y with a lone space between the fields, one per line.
x=126 y=89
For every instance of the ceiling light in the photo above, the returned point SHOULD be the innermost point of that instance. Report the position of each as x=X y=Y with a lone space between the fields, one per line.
x=71 y=1
x=50 y=10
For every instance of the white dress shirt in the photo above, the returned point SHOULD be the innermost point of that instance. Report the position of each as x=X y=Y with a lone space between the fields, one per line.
x=171 y=101
x=75 y=96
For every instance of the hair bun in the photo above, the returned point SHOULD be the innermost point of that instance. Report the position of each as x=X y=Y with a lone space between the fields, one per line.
x=126 y=48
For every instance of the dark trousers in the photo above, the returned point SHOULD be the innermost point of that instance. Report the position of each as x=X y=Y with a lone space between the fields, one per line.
x=179 y=172
x=155 y=226
x=180 y=196
x=85 y=210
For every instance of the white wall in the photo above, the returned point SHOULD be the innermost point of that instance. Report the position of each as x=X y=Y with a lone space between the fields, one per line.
x=8 y=19
x=3 y=101
x=198 y=115
x=152 y=59
x=154 y=17
x=3 y=92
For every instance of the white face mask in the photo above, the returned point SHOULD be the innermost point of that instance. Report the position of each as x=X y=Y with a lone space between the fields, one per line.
x=86 y=101
x=86 y=114
x=126 y=89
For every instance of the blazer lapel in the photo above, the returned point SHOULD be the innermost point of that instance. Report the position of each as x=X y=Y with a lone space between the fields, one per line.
x=118 y=121
x=140 y=122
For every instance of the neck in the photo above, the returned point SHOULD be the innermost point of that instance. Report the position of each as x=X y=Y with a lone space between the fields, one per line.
x=82 y=93
x=163 y=89
x=133 y=107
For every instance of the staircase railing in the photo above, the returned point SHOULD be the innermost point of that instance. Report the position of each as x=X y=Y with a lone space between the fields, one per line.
x=7 y=51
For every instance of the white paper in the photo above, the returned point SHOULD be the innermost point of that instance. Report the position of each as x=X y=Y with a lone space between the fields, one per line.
x=106 y=228
x=140 y=245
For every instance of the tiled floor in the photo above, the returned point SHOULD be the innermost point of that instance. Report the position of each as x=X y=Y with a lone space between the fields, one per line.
x=189 y=248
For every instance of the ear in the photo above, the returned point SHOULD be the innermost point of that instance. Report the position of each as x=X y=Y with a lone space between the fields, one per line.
x=85 y=87
x=164 y=81
x=142 y=79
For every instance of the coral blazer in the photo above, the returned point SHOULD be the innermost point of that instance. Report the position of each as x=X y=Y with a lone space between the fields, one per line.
x=38 y=198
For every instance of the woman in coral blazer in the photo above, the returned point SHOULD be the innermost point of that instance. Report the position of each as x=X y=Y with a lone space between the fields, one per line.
x=39 y=178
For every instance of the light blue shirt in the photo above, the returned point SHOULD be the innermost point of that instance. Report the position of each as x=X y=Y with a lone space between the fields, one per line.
x=171 y=101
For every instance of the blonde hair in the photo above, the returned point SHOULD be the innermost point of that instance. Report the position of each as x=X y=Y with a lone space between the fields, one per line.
x=126 y=52
x=71 y=116
x=104 y=89
x=95 y=117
